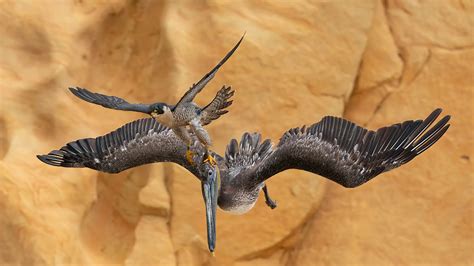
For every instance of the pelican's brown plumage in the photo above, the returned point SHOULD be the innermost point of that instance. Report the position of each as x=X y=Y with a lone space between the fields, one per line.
x=334 y=148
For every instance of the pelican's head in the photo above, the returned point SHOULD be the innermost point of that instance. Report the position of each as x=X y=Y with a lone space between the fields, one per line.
x=211 y=182
x=158 y=109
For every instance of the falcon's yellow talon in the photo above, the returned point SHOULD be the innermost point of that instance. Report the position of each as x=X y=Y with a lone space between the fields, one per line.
x=210 y=160
x=189 y=156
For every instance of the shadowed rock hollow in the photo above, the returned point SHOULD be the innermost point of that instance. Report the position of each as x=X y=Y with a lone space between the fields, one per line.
x=374 y=62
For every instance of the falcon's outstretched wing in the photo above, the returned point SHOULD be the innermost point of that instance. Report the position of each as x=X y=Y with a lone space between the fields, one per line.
x=216 y=108
x=140 y=142
x=196 y=88
x=111 y=102
x=336 y=149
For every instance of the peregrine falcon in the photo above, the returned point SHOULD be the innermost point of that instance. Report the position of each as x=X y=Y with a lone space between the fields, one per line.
x=177 y=117
x=334 y=148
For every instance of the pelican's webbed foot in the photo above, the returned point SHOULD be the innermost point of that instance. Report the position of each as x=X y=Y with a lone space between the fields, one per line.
x=271 y=203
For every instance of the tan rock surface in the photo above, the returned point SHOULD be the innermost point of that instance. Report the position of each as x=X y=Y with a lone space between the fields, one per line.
x=374 y=62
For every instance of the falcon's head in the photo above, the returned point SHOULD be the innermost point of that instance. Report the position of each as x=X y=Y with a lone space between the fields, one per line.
x=158 y=109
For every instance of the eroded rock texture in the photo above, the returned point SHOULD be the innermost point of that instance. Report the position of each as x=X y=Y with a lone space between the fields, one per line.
x=376 y=62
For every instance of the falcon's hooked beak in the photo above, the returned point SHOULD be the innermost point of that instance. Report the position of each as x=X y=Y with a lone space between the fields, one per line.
x=210 y=190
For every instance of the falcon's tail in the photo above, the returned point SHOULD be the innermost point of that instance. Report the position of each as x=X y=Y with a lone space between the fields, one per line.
x=217 y=106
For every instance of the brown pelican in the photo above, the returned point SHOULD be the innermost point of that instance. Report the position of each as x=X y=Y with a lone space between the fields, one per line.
x=333 y=148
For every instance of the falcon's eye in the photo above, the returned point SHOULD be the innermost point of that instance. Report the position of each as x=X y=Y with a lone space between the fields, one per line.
x=210 y=172
x=158 y=110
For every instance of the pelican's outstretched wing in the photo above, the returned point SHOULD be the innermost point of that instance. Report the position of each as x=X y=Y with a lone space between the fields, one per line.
x=140 y=142
x=196 y=88
x=336 y=149
x=216 y=107
x=111 y=102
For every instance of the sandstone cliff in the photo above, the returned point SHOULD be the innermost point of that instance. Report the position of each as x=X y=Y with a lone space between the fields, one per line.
x=375 y=62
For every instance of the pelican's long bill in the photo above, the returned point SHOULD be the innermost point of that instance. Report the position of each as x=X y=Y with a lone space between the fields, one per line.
x=210 y=188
